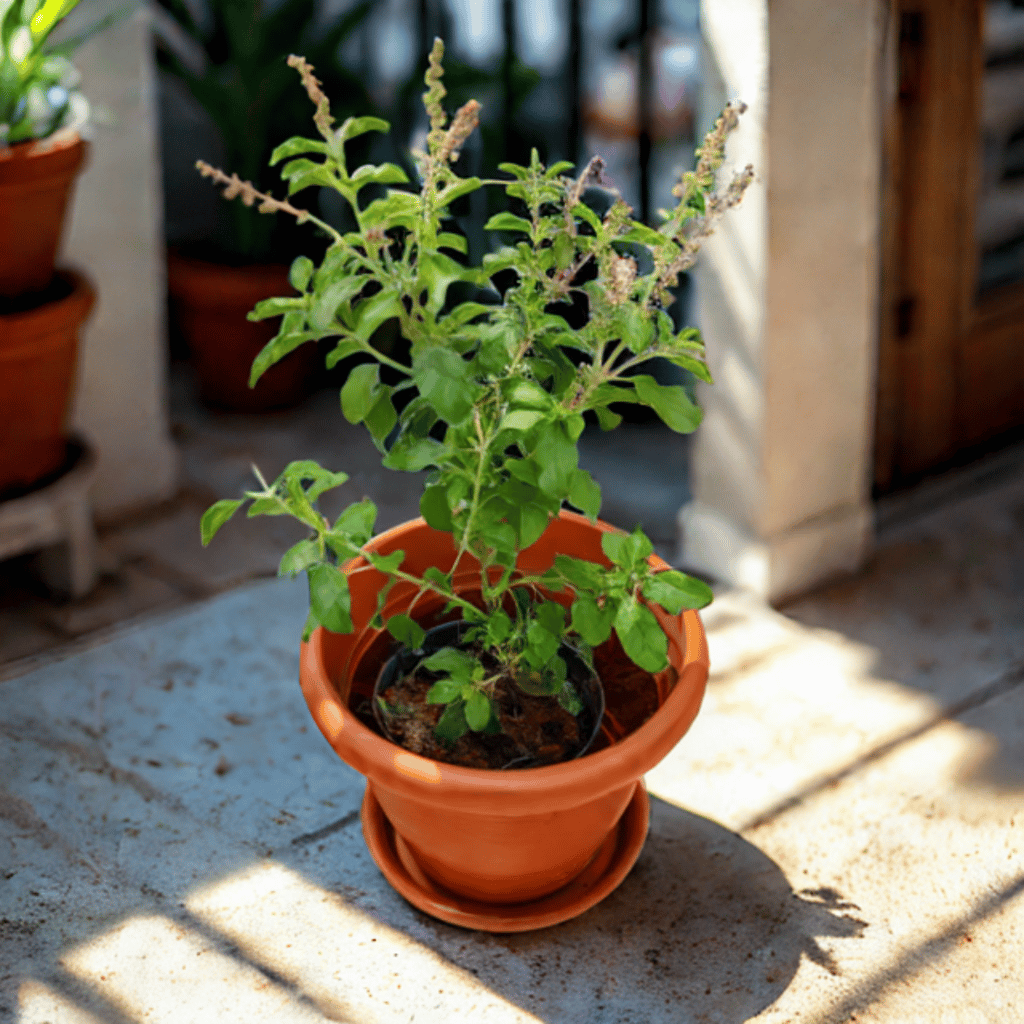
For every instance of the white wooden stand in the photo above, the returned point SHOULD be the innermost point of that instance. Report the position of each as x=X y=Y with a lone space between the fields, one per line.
x=56 y=520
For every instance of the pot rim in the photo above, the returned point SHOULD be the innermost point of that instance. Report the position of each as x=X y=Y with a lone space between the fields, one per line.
x=76 y=305
x=62 y=154
x=401 y=770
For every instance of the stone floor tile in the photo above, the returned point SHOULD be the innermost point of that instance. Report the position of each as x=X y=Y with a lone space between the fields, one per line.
x=925 y=847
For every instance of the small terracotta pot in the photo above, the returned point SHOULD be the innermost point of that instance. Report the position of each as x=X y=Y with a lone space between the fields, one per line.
x=210 y=302
x=38 y=352
x=494 y=837
x=35 y=184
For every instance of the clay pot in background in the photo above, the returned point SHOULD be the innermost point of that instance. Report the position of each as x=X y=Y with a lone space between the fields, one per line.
x=38 y=355
x=209 y=303
x=36 y=179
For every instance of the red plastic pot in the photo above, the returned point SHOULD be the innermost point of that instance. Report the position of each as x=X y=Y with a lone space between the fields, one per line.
x=209 y=302
x=492 y=849
x=35 y=183
x=38 y=355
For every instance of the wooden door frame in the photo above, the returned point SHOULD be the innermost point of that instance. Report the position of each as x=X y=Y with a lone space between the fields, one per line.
x=929 y=259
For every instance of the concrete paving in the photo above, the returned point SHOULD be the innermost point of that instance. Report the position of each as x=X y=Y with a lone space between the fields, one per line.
x=838 y=838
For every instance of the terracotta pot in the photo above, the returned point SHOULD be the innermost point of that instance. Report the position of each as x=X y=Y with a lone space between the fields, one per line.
x=38 y=349
x=493 y=838
x=35 y=183
x=209 y=302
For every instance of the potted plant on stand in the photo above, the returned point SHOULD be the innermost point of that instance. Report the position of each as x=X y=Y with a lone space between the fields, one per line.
x=42 y=115
x=503 y=669
x=233 y=64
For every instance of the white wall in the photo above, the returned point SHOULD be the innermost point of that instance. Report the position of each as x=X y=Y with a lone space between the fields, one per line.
x=787 y=296
x=115 y=235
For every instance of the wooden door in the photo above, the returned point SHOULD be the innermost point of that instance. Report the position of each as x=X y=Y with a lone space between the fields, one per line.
x=951 y=356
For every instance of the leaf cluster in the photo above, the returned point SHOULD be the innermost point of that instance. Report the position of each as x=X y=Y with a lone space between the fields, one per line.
x=498 y=383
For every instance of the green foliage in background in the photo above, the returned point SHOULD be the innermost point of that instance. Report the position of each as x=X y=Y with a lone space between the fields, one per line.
x=38 y=83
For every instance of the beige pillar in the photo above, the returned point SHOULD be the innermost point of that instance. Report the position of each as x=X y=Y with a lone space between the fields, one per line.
x=787 y=298
x=116 y=237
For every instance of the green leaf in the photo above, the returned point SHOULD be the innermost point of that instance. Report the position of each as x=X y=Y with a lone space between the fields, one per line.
x=373 y=312
x=385 y=563
x=449 y=240
x=508 y=222
x=585 y=494
x=675 y=591
x=643 y=234
x=533 y=521
x=329 y=598
x=357 y=394
x=594 y=624
x=444 y=691
x=520 y=420
x=478 y=710
x=413 y=454
x=458 y=189
x=641 y=636
x=541 y=645
x=636 y=327
x=216 y=516
x=625 y=550
x=381 y=418
x=356 y=126
x=275 y=350
x=300 y=272
x=464 y=312
x=499 y=625
x=443 y=378
x=436 y=272
x=564 y=250
x=357 y=521
x=607 y=420
x=407 y=632
x=579 y=572
x=434 y=509
x=570 y=699
x=326 y=303
x=397 y=209
x=528 y=395
x=551 y=615
x=452 y=723
x=696 y=366
x=298 y=557
x=435 y=576
x=345 y=348
x=671 y=403
x=457 y=664
x=383 y=174
x=584 y=212
x=557 y=457
x=323 y=480
x=267 y=308
x=296 y=146
x=267 y=507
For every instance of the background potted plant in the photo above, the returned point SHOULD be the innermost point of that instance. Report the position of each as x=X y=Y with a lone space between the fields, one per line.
x=42 y=115
x=496 y=410
x=233 y=63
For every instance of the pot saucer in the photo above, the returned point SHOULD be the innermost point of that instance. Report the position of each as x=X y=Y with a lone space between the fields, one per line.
x=610 y=865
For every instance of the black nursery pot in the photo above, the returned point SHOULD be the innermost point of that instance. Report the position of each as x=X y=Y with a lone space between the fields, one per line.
x=449 y=634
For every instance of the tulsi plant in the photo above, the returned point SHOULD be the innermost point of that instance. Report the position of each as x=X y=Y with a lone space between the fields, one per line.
x=493 y=394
